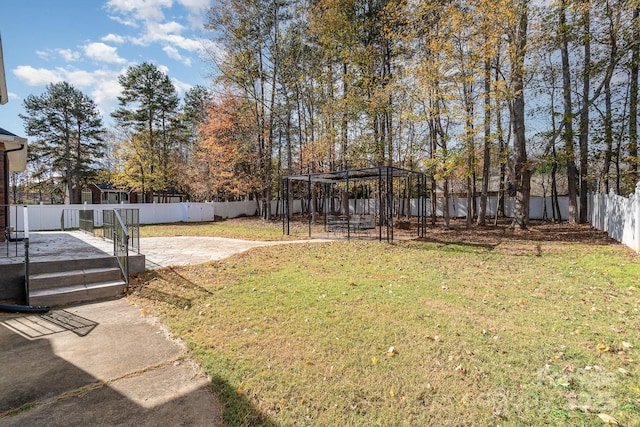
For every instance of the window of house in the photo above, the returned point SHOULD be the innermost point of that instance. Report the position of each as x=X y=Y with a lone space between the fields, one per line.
x=87 y=196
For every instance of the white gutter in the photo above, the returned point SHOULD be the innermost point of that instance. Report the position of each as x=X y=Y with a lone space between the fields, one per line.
x=16 y=150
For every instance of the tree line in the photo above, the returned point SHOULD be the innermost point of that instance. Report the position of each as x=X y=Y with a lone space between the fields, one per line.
x=148 y=149
x=464 y=91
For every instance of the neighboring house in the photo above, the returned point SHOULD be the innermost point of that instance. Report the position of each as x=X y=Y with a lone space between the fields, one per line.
x=13 y=150
x=97 y=194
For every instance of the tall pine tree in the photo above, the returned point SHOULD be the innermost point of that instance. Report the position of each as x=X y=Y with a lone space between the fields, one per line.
x=149 y=112
x=67 y=128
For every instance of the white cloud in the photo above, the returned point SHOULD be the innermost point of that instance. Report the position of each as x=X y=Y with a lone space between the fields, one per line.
x=124 y=21
x=195 y=5
x=113 y=38
x=156 y=32
x=68 y=54
x=170 y=35
x=102 y=84
x=163 y=68
x=80 y=78
x=106 y=90
x=181 y=87
x=146 y=10
x=192 y=45
x=43 y=54
x=171 y=27
x=13 y=95
x=173 y=53
x=36 y=76
x=103 y=52
x=211 y=50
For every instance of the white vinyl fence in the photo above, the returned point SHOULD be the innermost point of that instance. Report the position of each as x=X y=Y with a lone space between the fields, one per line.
x=539 y=207
x=48 y=217
x=617 y=215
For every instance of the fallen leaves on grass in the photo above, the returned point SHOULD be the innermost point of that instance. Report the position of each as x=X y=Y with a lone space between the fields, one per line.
x=608 y=419
x=461 y=369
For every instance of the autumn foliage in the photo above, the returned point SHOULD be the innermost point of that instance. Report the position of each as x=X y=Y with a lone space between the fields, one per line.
x=225 y=161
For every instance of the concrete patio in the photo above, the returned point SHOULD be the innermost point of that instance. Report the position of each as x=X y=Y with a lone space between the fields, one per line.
x=158 y=252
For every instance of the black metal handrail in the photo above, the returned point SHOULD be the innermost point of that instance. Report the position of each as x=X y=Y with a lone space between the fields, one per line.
x=12 y=233
x=25 y=239
x=107 y=224
x=86 y=222
x=131 y=219
x=121 y=245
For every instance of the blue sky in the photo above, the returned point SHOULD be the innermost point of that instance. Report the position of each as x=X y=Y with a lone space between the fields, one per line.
x=89 y=43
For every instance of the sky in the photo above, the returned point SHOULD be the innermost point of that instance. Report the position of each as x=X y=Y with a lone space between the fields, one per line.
x=89 y=43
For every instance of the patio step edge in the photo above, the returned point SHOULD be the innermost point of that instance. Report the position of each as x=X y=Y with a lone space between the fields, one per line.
x=77 y=293
x=58 y=279
x=39 y=267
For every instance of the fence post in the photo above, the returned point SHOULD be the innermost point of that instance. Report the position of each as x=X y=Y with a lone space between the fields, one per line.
x=637 y=225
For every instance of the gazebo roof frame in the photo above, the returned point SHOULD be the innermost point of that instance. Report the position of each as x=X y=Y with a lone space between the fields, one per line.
x=371 y=173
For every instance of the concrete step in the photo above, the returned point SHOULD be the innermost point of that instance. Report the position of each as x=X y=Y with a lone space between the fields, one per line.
x=77 y=293
x=36 y=267
x=58 y=279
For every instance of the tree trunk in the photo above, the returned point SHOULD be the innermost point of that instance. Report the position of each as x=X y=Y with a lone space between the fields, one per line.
x=608 y=137
x=486 y=155
x=521 y=168
x=502 y=150
x=557 y=215
x=584 y=117
x=633 y=98
x=470 y=154
x=345 y=120
x=568 y=117
x=445 y=207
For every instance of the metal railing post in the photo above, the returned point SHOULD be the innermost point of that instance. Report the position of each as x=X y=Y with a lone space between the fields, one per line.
x=121 y=245
x=26 y=252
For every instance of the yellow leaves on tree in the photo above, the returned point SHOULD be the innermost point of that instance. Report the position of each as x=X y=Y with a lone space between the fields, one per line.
x=226 y=161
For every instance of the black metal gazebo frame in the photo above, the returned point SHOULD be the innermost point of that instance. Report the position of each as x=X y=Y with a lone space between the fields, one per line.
x=383 y=175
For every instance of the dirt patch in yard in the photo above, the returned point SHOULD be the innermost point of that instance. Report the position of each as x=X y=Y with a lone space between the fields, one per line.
x=538 y=231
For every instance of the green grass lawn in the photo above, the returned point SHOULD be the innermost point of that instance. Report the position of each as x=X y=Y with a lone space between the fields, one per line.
x=239 y=228
x=516 y=333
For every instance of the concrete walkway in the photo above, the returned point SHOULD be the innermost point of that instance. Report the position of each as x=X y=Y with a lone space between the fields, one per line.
x=101 y=364
x=183 y=250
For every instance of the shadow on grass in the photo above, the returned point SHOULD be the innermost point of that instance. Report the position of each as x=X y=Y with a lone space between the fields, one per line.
x=169 y=275
x=457 y=246
x=238 y=410
x=165 y=298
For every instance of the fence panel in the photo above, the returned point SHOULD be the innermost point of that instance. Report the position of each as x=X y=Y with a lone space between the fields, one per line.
x=617 y=215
